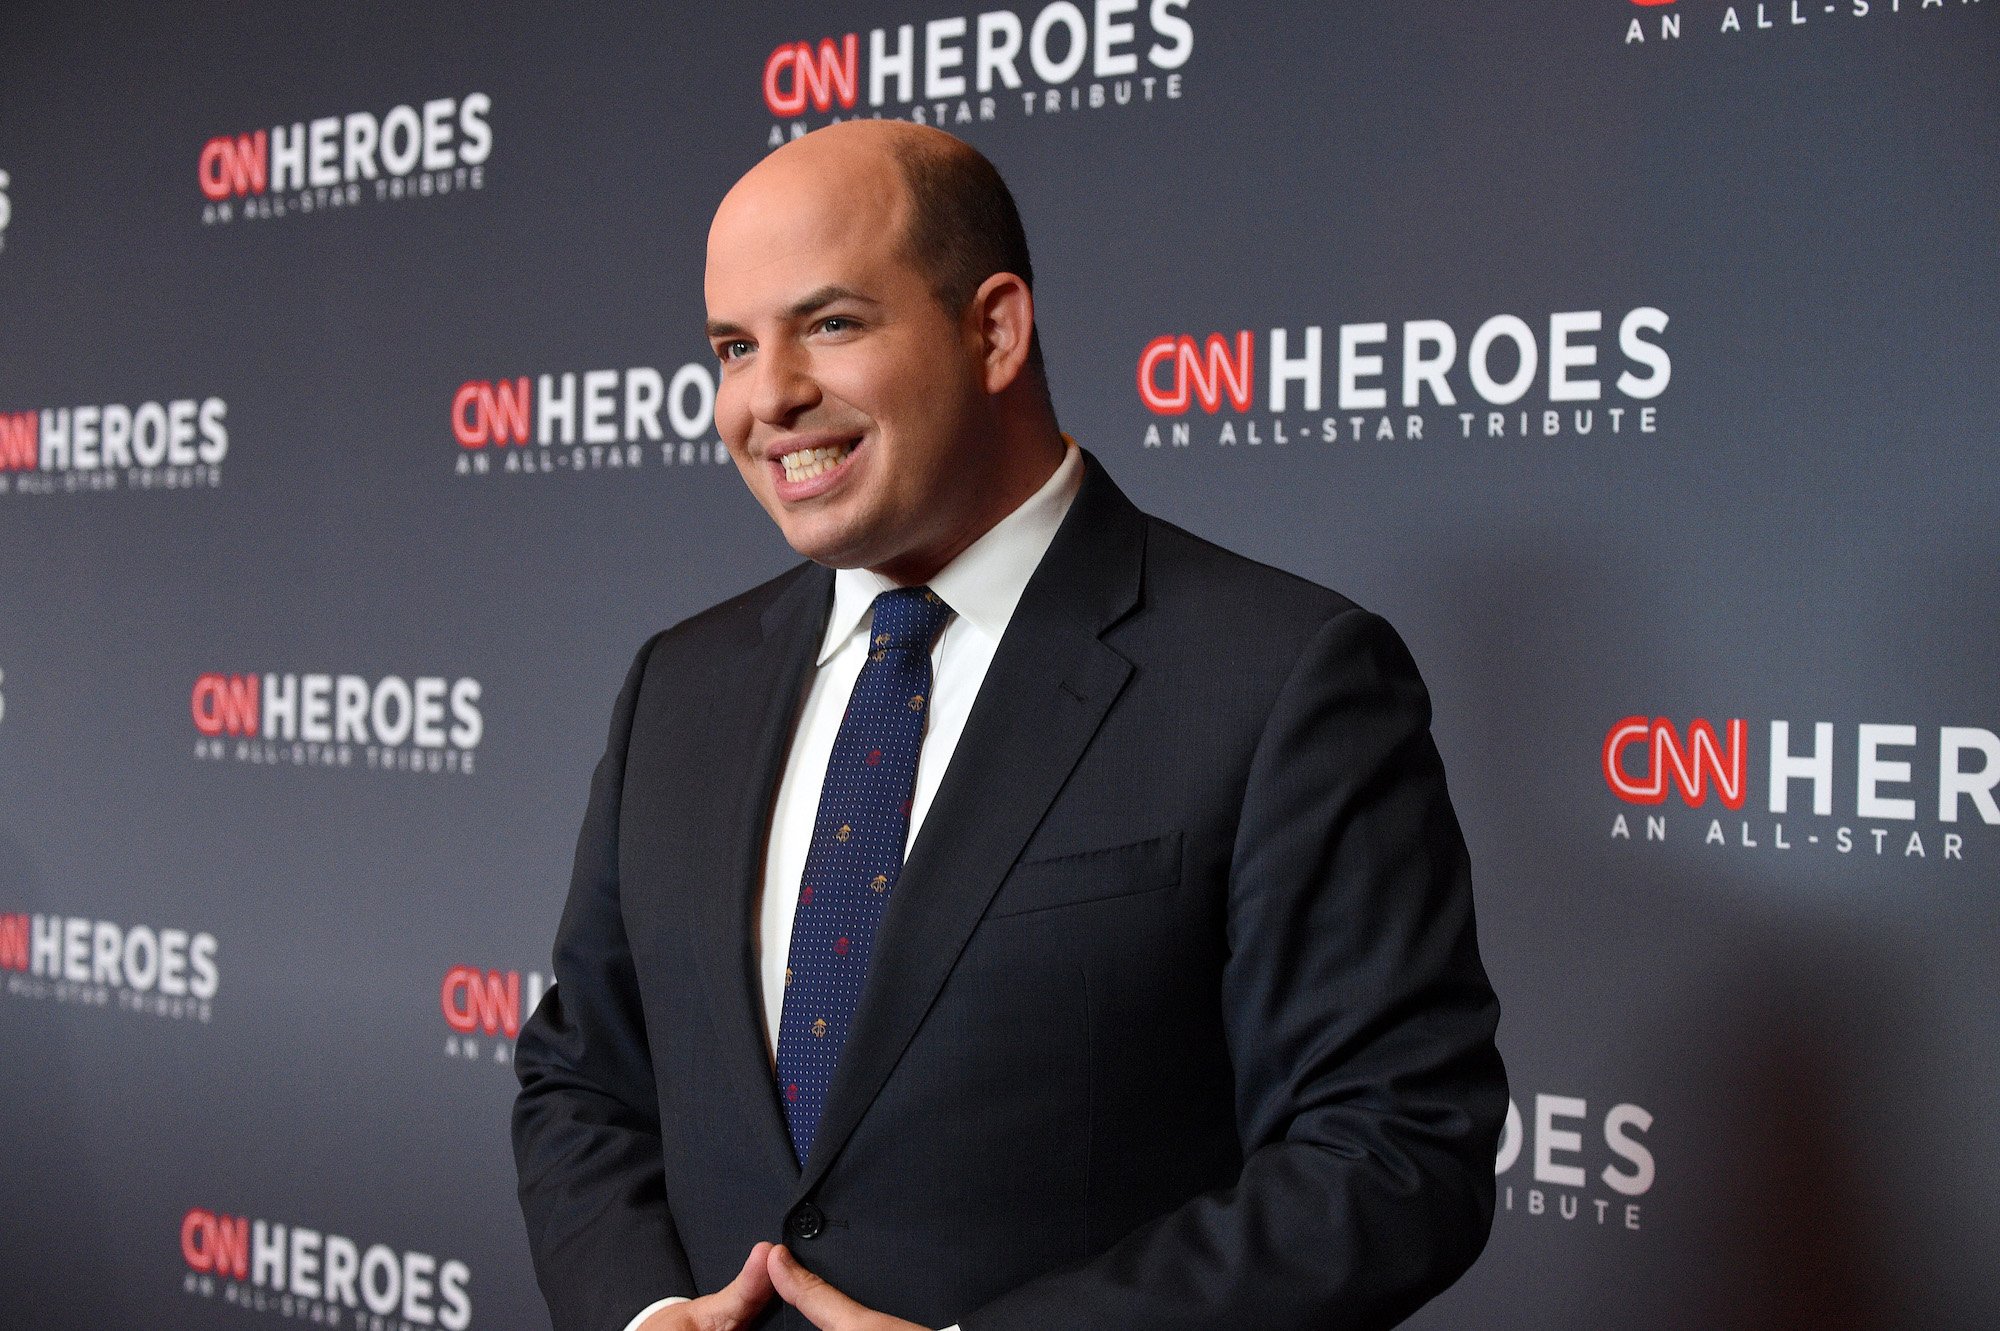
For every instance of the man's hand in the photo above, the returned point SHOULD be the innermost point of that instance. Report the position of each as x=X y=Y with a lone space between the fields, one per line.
x=728 y=1308
x=824 y=1306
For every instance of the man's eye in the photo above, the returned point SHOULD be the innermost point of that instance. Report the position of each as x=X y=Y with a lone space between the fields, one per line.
x=733 y=350
x=836 y=323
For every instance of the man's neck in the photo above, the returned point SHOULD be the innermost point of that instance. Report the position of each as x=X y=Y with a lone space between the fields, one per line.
x=1028 y=473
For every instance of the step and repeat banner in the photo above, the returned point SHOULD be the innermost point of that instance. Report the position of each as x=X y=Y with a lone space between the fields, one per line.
x=1637 y=358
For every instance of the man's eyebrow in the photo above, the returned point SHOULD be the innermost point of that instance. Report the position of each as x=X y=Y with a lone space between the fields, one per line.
x=823 y=297
x=799 y=309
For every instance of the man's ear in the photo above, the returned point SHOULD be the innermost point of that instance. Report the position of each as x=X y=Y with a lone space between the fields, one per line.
x=1003 y=314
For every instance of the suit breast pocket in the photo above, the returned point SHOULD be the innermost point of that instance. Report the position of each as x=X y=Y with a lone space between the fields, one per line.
x=1079 y=877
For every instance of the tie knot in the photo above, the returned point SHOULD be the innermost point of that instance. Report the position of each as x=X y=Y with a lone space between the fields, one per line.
x=908 y=617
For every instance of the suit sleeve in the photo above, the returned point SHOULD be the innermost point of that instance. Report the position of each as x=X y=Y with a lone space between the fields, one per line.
x=586 y=1123
x=1369 y=1093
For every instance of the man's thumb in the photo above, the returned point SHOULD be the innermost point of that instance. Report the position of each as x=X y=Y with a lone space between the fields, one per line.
x=739 y=1300
x=823 y=1305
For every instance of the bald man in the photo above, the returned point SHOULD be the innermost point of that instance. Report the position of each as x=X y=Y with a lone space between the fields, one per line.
x=1021 y=915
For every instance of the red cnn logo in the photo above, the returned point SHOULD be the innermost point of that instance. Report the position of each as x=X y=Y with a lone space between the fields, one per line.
x=225 y=704
x=1691 y=764
x=19 y=433
x=792 y=76
x=218 y=1243
x=13 y=942
x=482 y=1000
x=1205 y=373
x=235 y=166
x=490 y=413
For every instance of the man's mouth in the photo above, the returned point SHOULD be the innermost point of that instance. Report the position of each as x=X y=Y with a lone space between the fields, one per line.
x=806 y=463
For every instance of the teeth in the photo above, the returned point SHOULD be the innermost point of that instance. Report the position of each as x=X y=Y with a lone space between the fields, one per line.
x=807 y=463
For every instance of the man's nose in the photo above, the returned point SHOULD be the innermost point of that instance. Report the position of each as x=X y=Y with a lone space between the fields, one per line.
x=784 y=385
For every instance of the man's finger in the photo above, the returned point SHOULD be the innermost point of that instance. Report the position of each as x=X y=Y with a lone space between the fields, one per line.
x=739 y=1300
x=823 y=1305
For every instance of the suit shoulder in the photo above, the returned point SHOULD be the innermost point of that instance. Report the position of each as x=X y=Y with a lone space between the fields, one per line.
x=1208 y=614
x=730 y=619
x=1190 y=571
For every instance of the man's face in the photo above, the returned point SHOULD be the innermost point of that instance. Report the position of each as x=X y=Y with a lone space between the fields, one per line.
x=851 y=400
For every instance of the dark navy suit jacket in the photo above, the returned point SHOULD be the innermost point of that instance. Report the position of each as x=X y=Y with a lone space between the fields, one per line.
x=1176 y=1018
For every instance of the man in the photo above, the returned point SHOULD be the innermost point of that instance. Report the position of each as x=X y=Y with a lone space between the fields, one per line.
x=1046 y=920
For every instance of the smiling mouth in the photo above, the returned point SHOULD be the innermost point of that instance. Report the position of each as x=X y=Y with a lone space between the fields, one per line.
x=807 y=463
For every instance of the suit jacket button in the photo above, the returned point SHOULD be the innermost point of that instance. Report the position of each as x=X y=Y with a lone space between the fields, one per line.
x=805 y=1221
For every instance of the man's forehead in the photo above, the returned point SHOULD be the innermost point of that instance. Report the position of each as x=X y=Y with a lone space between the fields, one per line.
x=808 y=202
x=761 y=229
x=781 y=264
x=783 y=239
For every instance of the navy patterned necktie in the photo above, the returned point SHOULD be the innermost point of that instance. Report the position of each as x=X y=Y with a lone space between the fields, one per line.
x=856 y=852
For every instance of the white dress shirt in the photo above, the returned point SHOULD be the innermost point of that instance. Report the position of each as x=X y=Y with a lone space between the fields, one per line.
x=982 y=586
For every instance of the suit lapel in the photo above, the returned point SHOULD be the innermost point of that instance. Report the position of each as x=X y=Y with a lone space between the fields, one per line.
x=1047 y=690
x=766 y=683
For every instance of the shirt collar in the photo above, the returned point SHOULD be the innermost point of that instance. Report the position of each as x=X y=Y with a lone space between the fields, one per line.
x=985 y=582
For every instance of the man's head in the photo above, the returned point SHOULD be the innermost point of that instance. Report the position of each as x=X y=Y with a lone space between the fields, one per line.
x=868 y=296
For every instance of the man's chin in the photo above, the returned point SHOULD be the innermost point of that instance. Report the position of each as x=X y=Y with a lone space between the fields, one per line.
x=837 y=544
x=830 y=548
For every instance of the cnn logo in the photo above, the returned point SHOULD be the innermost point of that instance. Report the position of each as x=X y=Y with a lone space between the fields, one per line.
x=1694 y=763
x=1175 y=371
